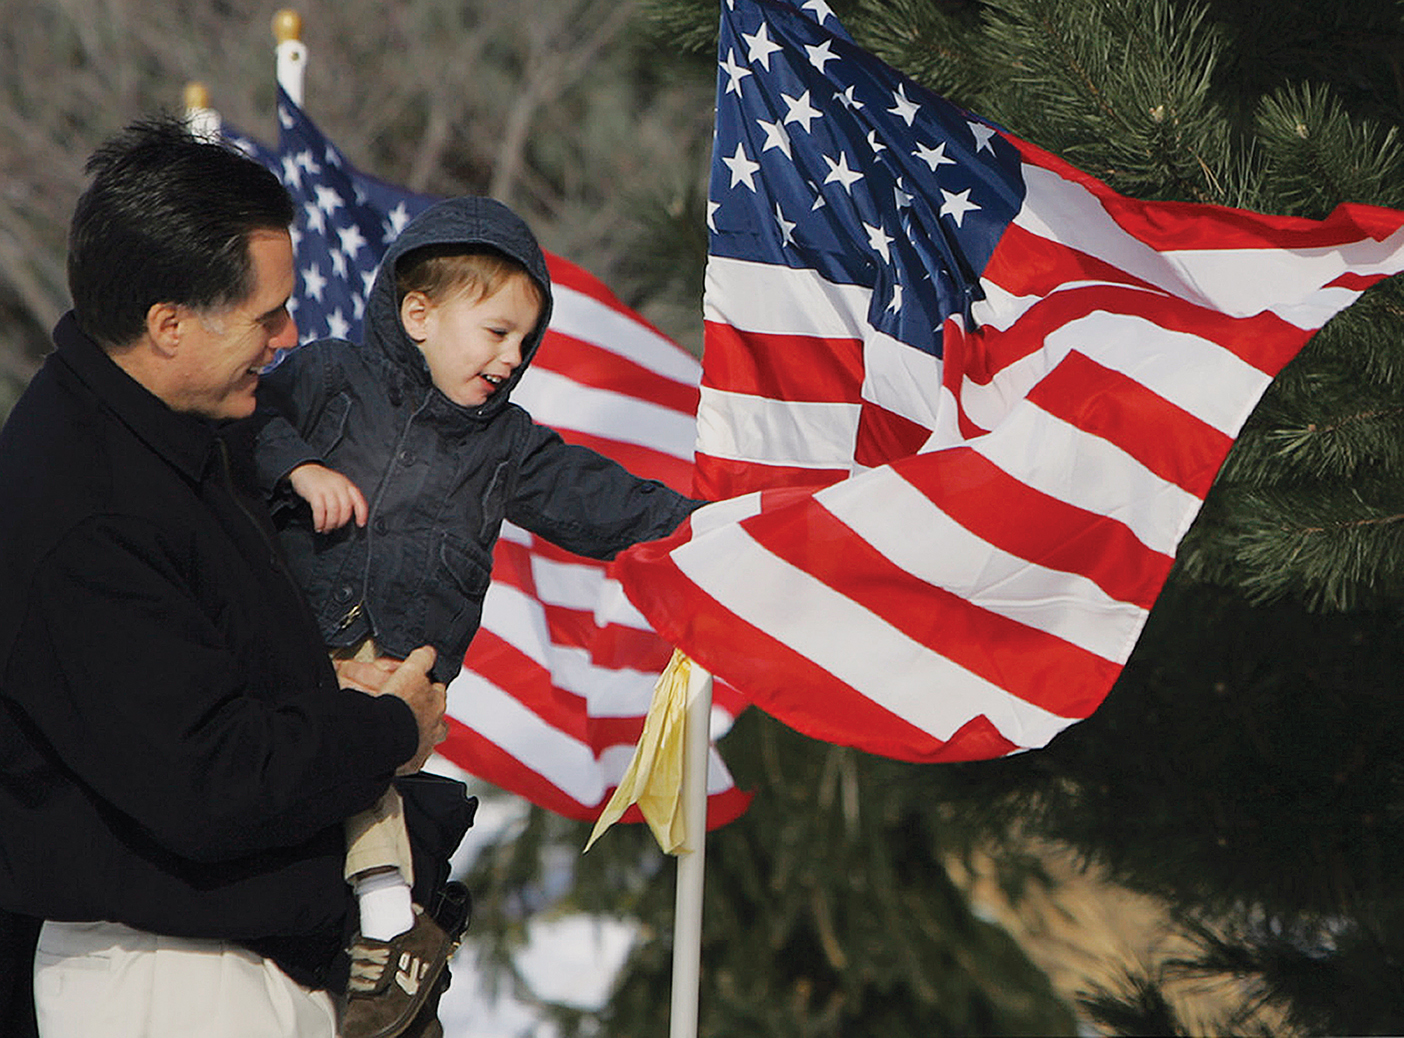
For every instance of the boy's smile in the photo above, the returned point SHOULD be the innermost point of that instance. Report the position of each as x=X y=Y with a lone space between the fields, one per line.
x=472 y=345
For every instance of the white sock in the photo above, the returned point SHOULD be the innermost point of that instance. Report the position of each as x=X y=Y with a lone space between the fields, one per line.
x=386 y=907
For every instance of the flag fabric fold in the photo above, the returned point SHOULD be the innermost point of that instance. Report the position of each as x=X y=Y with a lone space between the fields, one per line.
x=963 y=400
x=557 y=682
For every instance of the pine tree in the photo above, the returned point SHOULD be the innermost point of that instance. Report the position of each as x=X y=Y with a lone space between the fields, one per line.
x=1245 y=768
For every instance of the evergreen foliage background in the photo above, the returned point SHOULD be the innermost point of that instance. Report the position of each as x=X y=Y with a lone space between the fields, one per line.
x=1245 y=769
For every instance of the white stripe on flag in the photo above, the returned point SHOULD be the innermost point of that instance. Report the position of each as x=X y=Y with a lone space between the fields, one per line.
x=760 y=297
x=563 y=403
x=1283 y=279
x=901 y=379
x=898 y=673
x=584 y=317
x=744 y=427
x=1065 y=605
x=1065 y=463
x=539 y=746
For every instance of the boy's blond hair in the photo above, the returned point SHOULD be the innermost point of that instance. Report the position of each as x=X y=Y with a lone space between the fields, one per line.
x=444 y=271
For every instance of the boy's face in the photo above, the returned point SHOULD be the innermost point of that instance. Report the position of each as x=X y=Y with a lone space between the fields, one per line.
x=472 y=345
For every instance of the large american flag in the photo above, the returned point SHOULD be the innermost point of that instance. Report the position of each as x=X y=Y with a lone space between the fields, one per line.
x=1014 y=385
x=556 y=683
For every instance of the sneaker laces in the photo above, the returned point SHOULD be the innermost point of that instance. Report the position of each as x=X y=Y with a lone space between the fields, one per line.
x=367 y=967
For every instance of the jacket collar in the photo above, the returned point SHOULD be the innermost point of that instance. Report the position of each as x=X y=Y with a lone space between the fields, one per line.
x=184 y=440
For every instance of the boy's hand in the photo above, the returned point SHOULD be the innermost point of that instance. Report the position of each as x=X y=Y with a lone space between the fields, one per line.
x=333 y=498
x=408 y=681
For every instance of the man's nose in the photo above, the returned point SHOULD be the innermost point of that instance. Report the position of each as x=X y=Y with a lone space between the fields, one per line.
x=286 y=336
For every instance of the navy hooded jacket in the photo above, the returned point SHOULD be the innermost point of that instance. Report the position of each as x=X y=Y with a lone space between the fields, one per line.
x=439 y=478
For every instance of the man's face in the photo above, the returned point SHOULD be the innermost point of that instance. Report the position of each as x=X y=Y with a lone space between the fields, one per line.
x=222 y=351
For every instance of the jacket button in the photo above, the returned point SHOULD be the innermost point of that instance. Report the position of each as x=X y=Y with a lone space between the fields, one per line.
x=381 y=525
x=406 y=457
x=344 y=593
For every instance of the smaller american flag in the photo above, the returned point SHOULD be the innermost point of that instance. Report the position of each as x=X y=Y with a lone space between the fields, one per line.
x=1014 y=386
x=554 y=688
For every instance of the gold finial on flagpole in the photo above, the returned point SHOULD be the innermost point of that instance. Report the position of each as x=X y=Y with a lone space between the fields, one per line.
x=197 y=95
x=291 y=53
x=287 y=25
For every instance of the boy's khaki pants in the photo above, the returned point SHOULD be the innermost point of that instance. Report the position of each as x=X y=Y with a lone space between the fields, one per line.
x=376 y=839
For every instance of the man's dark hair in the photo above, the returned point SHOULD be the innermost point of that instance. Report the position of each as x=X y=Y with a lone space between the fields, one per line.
x=166 y=220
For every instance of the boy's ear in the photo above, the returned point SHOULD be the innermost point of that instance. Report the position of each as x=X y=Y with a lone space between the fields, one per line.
x=163 y=327
x=414 y=315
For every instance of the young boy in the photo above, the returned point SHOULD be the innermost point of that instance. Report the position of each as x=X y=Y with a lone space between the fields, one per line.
x=411 y=434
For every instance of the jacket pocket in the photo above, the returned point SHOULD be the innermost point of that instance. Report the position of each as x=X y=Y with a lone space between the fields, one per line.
x=332 y=426
x=451 y=595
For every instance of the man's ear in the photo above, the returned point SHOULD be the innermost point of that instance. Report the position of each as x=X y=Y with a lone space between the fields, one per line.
x=414 y=315
x=163 y=327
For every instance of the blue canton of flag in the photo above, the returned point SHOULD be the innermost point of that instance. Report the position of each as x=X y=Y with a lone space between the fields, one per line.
x=824 y=159
x=345 y=220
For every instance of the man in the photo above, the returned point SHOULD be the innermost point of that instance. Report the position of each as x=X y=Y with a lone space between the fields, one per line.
x=176 y=754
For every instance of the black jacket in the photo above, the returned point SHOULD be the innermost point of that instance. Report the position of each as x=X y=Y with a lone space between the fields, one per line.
x=175 y=753
x=439 y=478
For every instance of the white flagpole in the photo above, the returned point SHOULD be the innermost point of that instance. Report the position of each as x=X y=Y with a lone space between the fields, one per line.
x=687 y=910
x=291 y=53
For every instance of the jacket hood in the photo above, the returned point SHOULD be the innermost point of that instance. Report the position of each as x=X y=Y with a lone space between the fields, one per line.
x=468 y=221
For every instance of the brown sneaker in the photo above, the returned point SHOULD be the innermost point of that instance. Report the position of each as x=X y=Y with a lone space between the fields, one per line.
x=391 y=981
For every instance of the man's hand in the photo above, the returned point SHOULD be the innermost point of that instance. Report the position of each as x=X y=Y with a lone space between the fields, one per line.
x=333 y=498
x=407 y=680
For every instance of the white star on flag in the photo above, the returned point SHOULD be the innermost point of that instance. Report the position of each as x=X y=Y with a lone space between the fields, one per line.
x=821 y=54
x=800 y=110
x=957 y=204
x=934 y=157
x=983 y=135
x=735 y=73
x=760 y=48
x=905 y=109
x=839 y=171
x=743 y=170
x=775 y=137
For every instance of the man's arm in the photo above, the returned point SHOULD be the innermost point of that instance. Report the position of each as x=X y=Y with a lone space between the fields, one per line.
x=155 y=715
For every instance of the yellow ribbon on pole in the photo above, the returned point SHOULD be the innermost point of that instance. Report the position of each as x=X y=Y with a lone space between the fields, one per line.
x=653 y=779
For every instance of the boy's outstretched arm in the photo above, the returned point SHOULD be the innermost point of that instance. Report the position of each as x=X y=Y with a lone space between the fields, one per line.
x=333 y=498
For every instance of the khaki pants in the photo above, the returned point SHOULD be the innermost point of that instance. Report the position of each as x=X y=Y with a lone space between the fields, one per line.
x=376 y=838
x=105 y=980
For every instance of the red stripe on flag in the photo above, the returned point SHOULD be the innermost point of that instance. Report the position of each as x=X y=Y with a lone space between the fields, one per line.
x=885 y=436
x=985 y=499
x=1168 y=226
x=483 y=758
x=1264 y=340
x=570 y=275
x=530 y=683
x=1169 y=441
x=806 y=696
x=1030 y=664
x=798 y=368
x=716 y=479
x=597 y=366
x=1026 y=264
